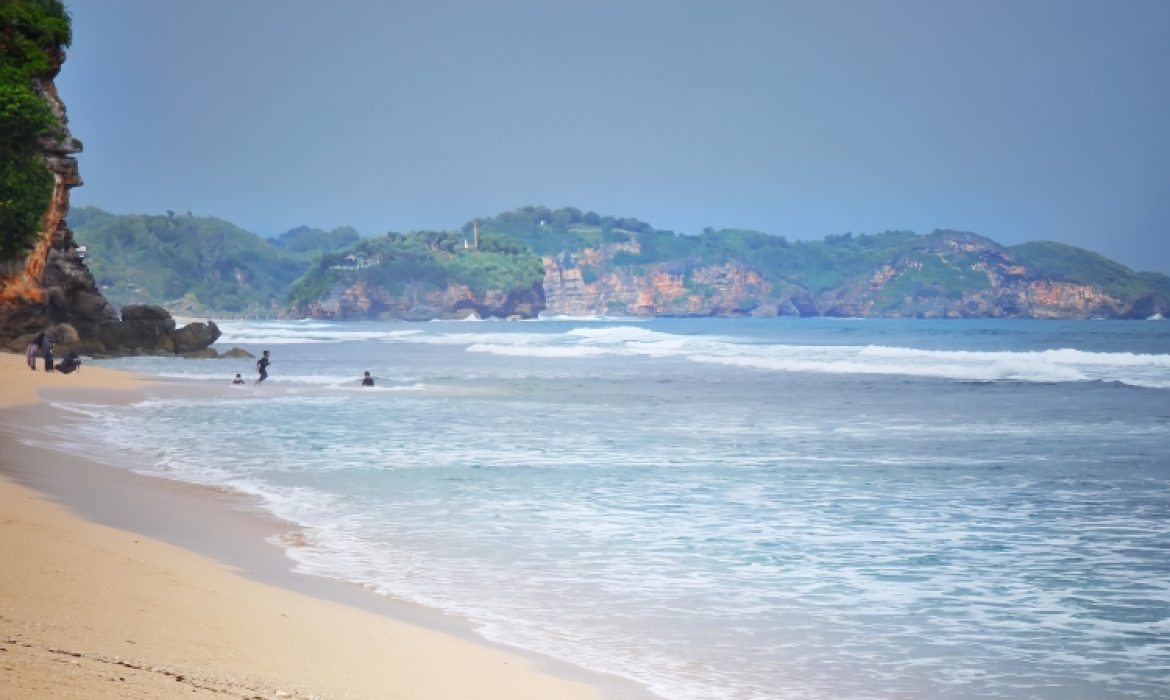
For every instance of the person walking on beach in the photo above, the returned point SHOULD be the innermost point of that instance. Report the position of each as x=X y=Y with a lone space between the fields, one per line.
x=262 y=368
x=34 y=346
x=367 y=380
x=47 y=351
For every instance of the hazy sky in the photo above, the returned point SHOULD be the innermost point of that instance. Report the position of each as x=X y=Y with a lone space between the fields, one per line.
x=1017 y=119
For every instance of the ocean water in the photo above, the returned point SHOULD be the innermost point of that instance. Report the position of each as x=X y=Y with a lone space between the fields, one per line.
x=715 y=508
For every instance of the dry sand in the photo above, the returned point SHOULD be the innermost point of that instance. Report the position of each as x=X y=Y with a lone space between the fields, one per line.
x=90 y=611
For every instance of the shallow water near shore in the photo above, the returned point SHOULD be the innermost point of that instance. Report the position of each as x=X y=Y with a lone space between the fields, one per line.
x=737 y=509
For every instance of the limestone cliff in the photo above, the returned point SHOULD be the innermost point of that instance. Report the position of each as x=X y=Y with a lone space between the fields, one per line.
x=948 y=274
x=366 y=300
x=945 y=275
x=588 y=283
x=51 y=288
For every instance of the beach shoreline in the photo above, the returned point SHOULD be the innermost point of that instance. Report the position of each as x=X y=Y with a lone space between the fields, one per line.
x=139 y=586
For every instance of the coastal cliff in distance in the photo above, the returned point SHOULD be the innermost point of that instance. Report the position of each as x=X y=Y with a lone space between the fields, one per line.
x=622 y=267
x=421 y=276
x=534 y=261
x=44 y=281
x=948 y=274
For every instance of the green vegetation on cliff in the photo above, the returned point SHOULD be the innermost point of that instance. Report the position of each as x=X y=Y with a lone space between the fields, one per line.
x=201 y=265
x=548 y=232
x=187 y=263
x=1068 y=263
x=812 y=265
x=422 y=261
x=32 y=34
x=815 y=265
x=893 y=273
x=309 y=242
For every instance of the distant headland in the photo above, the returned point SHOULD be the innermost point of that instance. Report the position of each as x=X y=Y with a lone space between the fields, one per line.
x=533 y=260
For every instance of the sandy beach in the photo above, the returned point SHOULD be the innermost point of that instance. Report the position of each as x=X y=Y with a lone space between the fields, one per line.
x=92 y=610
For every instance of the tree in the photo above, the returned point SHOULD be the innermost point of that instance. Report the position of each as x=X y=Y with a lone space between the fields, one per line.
x=33 y=34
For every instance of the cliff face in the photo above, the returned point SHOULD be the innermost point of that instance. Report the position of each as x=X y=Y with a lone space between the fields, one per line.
x=363 y=300
x=946 y=275
x=588 y=283
x=52 y=289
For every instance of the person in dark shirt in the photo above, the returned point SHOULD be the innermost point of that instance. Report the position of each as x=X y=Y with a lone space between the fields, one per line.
x=262 y=367
x=47 y=351
x=367 y=380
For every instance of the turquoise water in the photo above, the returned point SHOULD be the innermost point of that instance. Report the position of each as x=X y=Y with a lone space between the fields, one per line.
x=722 y=508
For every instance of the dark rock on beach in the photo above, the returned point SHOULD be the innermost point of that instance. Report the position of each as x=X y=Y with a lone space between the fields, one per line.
x=236 y=353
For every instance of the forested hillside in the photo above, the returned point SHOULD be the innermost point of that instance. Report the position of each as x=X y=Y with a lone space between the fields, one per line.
x=190 y=264
x=565 y=261
x=423 y=274
x=309 y=242
x=603 y=264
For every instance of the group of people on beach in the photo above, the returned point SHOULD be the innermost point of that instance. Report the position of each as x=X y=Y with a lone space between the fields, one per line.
x=262 y=371
x=42 y=344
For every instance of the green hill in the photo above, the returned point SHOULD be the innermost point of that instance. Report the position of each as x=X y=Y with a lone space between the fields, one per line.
x=421 y=263
x=186 y=263
x=310 y=242
x=1064 y=262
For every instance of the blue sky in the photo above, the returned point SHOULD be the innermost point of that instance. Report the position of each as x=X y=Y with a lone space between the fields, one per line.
x=1021 y=120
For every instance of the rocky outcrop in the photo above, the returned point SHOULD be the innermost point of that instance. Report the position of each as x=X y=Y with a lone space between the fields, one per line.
x=587 y=283
x=417 y=304
x=236 y=352
x=195 y=337
x=53 y=289
x=150 y=330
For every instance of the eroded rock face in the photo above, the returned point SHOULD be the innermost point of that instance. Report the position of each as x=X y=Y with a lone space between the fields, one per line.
x=52 y=289
x=996 y=285
x=988 y=281
x=195 y=337
x=413 y=304
x=587 y=283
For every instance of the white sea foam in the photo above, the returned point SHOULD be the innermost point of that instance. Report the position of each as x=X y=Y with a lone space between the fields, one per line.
x=1057 y=365
x=592 y=319
x=1044 y=366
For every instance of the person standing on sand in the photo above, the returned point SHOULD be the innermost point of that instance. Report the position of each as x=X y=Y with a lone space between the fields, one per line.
x=47 y=351
x=262 y=368
x=34 y=346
